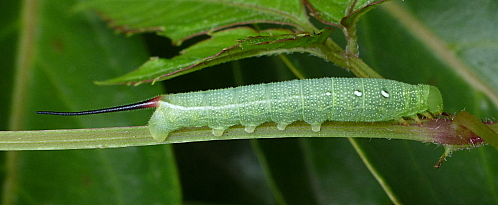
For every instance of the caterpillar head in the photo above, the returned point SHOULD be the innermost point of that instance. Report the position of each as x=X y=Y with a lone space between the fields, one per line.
x=434 y=101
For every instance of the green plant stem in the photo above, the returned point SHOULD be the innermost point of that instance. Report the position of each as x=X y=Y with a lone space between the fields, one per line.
x=140 y=136
x=332 y=52
x=475 y=125
x=351 y=37
x=361 y=69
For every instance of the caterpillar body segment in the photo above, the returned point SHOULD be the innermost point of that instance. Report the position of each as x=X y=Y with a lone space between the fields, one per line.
x=311 y=100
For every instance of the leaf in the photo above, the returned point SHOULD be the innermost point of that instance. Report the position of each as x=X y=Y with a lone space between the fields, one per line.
x=331 y=171
x=334 y=12
x=8 y=39
x=324 y=171
x=180 y=19
x=217 y=49
x=70 y=51
x=220 y=49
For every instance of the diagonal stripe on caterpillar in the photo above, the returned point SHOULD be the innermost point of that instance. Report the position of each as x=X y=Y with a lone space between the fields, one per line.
x=311 y=100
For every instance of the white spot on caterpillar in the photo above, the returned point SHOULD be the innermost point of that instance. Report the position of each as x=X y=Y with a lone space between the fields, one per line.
x=328 y=93
x=384 y=93
x=358 y=93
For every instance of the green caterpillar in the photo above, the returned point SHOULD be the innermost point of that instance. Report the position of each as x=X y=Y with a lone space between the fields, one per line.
x=311 y=100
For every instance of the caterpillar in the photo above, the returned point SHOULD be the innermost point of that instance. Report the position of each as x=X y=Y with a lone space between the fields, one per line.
x=311 y=100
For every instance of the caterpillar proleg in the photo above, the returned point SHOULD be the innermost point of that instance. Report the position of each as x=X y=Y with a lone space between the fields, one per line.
x=311 y=100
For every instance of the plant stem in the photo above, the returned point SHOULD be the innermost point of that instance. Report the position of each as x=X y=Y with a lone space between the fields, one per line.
x=140 y=136
x=336 y=54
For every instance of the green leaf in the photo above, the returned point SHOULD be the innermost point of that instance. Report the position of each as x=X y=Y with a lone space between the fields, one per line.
x=129 y=17
x=67 y=52
x=8 y=39
x=459 y=60
x=180 y=19
x=319 y=171
x=334 y=12
x=220 y=49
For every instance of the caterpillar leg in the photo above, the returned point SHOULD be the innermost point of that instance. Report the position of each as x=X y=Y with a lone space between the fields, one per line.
x=428 y=115
x=403 y=121
x=315 y=127
x=159 y=136
x=282 y=125
x=218 y=132
x=250 y=129
x=415 y=117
